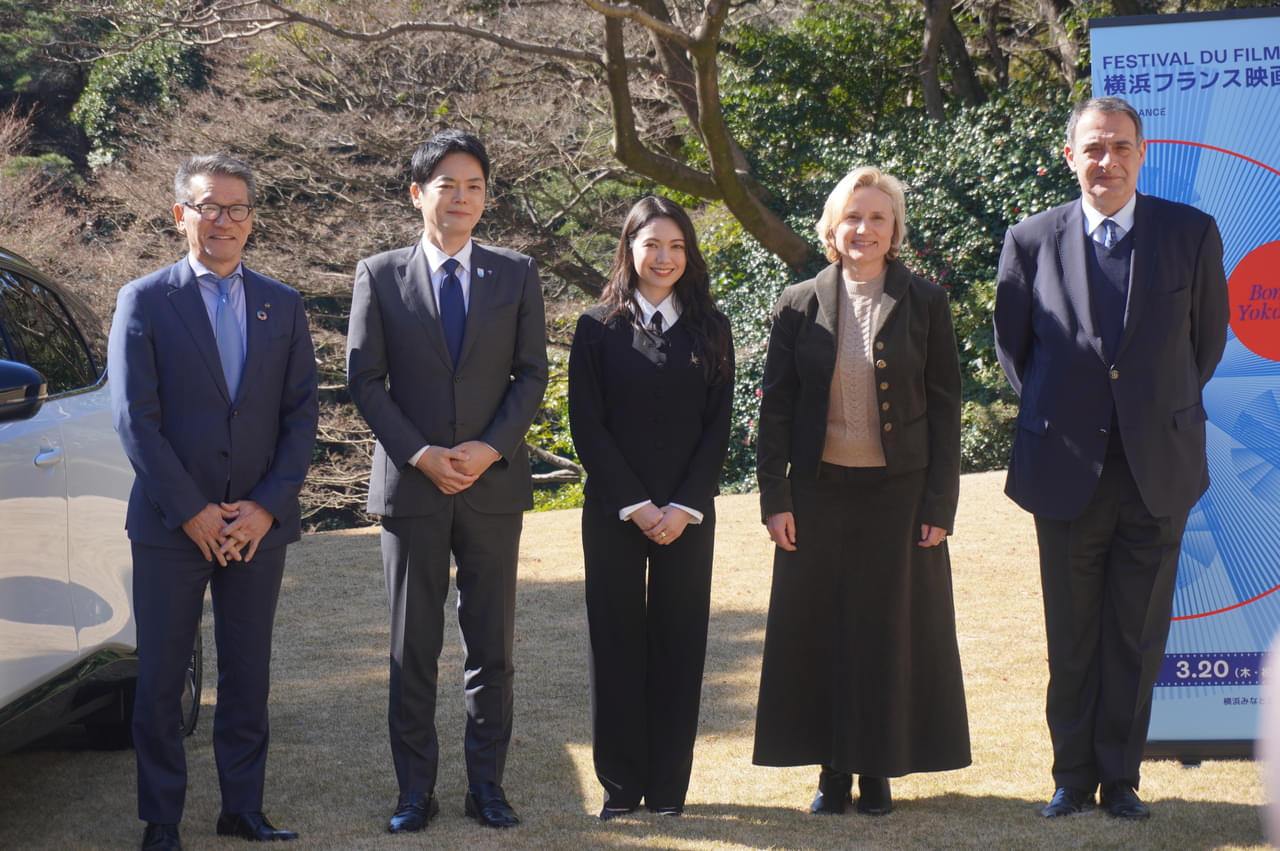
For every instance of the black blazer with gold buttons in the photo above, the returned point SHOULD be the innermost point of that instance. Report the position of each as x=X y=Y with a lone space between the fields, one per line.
x=917 y=371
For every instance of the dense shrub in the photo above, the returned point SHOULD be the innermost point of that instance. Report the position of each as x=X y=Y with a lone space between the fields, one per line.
x=154 y=74
x=822 y=105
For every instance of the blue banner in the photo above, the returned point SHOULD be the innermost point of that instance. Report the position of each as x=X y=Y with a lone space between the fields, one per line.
x=1208 y=88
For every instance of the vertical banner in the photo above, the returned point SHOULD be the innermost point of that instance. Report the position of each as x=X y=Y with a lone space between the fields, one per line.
x=1208 y=89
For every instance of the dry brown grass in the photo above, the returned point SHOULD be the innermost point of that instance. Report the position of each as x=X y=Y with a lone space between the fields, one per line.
x=330 y=774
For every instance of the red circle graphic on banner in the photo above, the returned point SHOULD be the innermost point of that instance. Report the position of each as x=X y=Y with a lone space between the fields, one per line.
x=1254 y=289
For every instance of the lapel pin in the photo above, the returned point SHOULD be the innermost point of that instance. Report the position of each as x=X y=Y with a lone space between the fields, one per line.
x=262 y=314
x=479 y=273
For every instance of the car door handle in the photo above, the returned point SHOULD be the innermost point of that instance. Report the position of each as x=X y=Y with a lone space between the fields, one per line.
x=49 y=457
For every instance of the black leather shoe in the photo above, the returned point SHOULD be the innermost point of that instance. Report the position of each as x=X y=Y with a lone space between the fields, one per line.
x=667 y=811
x=414 y=815
x=613 y=812
x=1067 y=802
x=833 y=792
x=874 y=798
x=253 y=827
x=487 y=804
x=161 y=837
x=1121 y=801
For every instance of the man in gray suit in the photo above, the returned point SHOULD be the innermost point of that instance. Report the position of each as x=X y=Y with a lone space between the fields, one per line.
x=446 y=360
x=1110 y=316
x=213 y=391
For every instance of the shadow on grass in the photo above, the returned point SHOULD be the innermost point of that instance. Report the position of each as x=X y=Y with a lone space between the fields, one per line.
x=330 y=775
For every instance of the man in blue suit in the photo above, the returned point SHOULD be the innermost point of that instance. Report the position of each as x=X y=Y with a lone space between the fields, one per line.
x=213 y=389
x=1110 y=316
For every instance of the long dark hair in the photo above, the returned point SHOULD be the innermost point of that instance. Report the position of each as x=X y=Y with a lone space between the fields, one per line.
x=710 y=329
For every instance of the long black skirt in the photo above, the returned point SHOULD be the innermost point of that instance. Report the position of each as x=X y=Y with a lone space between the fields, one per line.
x=861 y=669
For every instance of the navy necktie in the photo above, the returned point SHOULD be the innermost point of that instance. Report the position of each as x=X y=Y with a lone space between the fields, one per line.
x=655 y=322
x=226 y=329
x=453 y=311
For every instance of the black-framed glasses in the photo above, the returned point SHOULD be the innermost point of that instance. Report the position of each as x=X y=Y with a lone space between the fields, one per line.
x=211 y=212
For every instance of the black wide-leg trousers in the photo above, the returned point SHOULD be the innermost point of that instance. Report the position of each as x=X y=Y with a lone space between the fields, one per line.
x=647 y=612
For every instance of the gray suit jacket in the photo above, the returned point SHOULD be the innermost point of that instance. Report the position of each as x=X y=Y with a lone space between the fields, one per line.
x=1048 y=342
x=189 y=442
x=404 y=383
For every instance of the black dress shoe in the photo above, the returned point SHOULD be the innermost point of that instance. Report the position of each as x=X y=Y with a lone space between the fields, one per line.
x=487 y=804
x=1121 y=801
x=667 y=811
x=874 y=798
x=1067 y=802
x=413 y=815
x=253 y=827
x=833 y=792
x=161 y=837
x=613 y=812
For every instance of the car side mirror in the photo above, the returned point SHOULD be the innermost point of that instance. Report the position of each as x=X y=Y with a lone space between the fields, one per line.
x=22 y=391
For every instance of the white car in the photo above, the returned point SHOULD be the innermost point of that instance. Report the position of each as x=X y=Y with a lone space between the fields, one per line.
x=67 y=635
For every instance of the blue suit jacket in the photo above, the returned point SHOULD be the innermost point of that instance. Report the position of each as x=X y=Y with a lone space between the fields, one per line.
x=189 y=442
x=1049 y=345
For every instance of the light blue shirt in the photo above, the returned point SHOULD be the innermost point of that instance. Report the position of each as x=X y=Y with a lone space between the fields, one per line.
x=208 y=283
x=1123 y=218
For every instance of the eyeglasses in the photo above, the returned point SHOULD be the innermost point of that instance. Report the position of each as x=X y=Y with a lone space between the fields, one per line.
x=212 y=212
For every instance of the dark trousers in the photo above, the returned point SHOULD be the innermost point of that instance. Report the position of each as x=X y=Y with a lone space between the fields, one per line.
x=415 y=558
x=1108 y=578
x=168 y=595
x=647 y=612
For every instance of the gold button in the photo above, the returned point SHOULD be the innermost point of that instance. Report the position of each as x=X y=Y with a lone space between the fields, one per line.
x=880 y=364
x=1115 y=373
x=884 y=385
x=884 y=406
x=888 y=426
x=879 y=345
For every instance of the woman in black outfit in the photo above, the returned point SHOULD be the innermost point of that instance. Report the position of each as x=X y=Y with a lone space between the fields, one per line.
x=650 y=391
x=859 y=469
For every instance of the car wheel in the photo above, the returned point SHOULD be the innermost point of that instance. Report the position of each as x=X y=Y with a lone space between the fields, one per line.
x=191 y=693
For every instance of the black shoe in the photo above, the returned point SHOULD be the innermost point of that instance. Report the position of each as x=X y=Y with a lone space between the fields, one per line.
x=1067 y=802
x=667 y=811
x=833 y=792
x=253 y=827
x=413 y=815
x=1121 y=801
x=613 y=812
x=873 y=796
x=487 y=804
x=161 y=837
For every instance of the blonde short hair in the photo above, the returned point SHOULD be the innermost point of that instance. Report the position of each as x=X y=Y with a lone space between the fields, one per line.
x=867 y=175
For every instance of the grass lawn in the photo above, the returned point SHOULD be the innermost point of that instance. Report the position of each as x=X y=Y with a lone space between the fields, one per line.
x=330 y=775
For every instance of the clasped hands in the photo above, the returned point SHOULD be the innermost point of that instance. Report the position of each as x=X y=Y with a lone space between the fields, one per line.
x=222 y=531
x=660 y=525
x=454 y=470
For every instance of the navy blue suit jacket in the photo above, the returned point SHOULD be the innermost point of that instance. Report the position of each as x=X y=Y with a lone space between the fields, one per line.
x=189 y=442
x=1049 y=344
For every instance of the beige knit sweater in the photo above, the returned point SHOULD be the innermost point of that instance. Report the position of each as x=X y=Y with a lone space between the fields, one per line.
x=853 y=424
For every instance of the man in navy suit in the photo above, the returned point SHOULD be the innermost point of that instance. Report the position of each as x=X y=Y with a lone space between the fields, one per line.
x=1110 y=316
x=447 y=361
x=213 y=390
